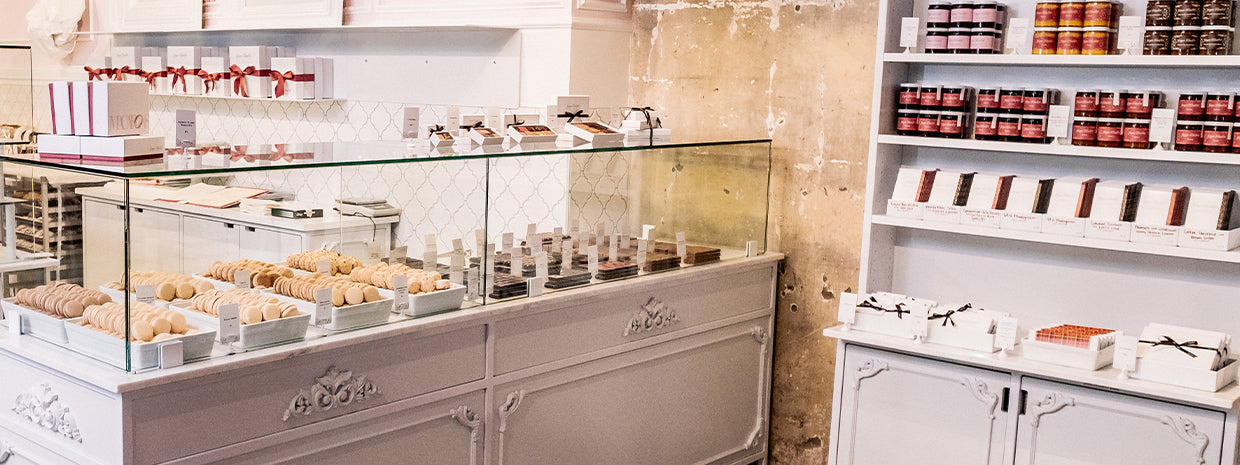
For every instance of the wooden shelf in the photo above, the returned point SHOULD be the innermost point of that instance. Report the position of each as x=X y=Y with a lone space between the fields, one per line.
x=248 y=99
x=1063 y=150
x=1092 y=61
x=1067 y=241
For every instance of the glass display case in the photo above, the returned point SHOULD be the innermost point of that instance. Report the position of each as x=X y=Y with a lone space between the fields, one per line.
x=217 y=250
x=16 y=98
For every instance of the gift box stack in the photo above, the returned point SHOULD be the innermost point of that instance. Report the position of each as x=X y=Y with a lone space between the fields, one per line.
x=100 y=122
x=244 y=71
x=1174 y=346
x=643 y=126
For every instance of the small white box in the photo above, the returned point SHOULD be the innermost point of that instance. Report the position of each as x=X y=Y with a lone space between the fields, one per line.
x=883 y=324
x=983 y=217
x=1176 y=375
x=218 y=82
x=470 y=121
x=324 y=78
x=157 y=74
x=906 y=209
x=485 y=136
x=1155 y=234
x=960 y=337
x=1209 y=239
x=126 y=148
x=34 y=323
x=532 y=134
x=942 y=213
x=127 y=63
x=183 y=65
x=597 y=134
x=60 y=146
x=441 y=139
x=572 y=105
x=1074 y=227
x=60 y=94
x=255 y=64
x=1075 y=357
x=120 y=108
x=1108 y=230
x=292 y=78
x=1031 y=222
x=80 y=93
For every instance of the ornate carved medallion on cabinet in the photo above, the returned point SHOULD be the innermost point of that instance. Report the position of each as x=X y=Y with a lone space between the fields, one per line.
x=335 y=389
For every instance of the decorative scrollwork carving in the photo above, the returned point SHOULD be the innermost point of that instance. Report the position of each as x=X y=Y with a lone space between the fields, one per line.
x=654 y=315
x=467 y=418
x=759 y=334
x=6 y=452
x=1052 y=402
x=508 y=407
x=43 y=408
x=868 y=370
x=981 y=391
x=1187 y=431
x=334 y=389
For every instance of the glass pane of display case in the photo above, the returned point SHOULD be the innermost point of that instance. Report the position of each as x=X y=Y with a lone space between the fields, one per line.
x=213 y=251
x=16 y=98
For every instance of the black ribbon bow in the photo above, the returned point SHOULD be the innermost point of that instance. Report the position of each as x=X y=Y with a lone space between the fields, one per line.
x=649 y=124
x=871 y=303
x=571 y=116
x=947 y=317
x=437 y=128
x=1167 y=341
x=477 y=124
x=516 y=122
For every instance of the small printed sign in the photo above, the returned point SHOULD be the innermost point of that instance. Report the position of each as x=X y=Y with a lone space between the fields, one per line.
x=848 y=308
x=230 y=324
x=145 y=293
x=323 y=306
x=242 y=279
x=400 y=283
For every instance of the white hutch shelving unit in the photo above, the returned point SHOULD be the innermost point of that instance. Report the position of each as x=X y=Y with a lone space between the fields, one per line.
x=953 y=406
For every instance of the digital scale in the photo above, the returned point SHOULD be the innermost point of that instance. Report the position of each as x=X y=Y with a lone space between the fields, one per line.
x=373 y=208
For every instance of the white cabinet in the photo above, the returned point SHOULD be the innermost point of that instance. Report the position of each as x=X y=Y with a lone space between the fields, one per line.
x=103 y=224
x=938 y=413
x=155 y=238
x=208 y=240
x=268 y=245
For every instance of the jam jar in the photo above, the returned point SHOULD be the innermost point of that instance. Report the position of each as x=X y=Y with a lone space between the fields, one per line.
x=1185 y=40
x=910 y=96
x=986 y=12
x=1112 y=104
x=1012 y=100
x=907 y=122
x=936 y=40
x=952 y=124
x=1086 y=103
x=928 y=122
x=1192 y=106
x=1072 y=13
x=1069 y=41
x=982 y=40
x=1085 y=131
x=1046 y=14
x=931 y=97
x=958 y=40
x=1096 y=41
x=962 y=14
x=1187 y=13
x=1033 y=129
x=1137 y=134
x=988 y=99
x=1038 y=101
x=938 y=14
x=1235 y=141
x=1045 y=39
x=1140 y=104
x=1217 y=13
x=1216 y=137
x=1099 y=14
x=1009 y=128
x=1110 y=132
x=1216 y=40
x=1188 y=136
x=986 y=126
x=1160 y=13
x=1157 y=40
x=1220 y=107
x=954 y=97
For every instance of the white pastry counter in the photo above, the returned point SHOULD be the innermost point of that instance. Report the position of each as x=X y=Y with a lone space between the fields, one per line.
x=678 y=362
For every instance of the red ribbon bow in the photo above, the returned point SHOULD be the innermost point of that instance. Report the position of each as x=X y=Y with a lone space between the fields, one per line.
x=238 y=76
x=278 y=151
x=150 y=77
x=178 y=74
x=120 y=73
x=208 y=80
x=280 y=78
x=93 y=73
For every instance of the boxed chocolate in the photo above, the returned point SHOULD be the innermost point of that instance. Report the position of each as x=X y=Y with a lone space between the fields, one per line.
x=292 y=78
x=119 y=108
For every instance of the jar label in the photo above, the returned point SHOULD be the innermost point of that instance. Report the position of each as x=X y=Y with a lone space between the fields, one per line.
x=1187 y=137
x=931 y=99
x=928 y=124
x=958 y=42
x=906 y=123
x=1137 y=134
x=1187 y=10
x=1111 y=105
x=936 y=42
x=1069 y=41
x=1071 y=14
x=1098 y=14
x=1217 y=13
x=950 y=126
x=953 y=100
x=1009 y=128
x=1033 y=131
x=1045 y=42
x=1046 y=14
x=962 y=14
x=1110 y=134
x=1100 y=42
x=910 y=97
x=1034 y=104
x=1191 y=107
x=1012 y=102
x=986 y=129
x=1139 y=105
x=1084 y=132
x=938 y=16
x=985 y=15
x=1215 y=138
x=1086 y=103
x=1218 y=107
x=982 y=42
x=988 y=101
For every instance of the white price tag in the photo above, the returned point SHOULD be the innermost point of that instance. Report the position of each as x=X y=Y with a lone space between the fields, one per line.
x=540 y=265
x=1131 y=34
x=400 y=284
x=480 y=242
x=14 y=320
x=323 y=306
x=910 y=30
x=1058 y=120
x=411 y=122
x=230 y=324
x=919 y=320
x=458 y=245
x=242 y=279
x=171 y=355
x=646 y=228
x=506 y=242
x=592 y=265
x=472 y=290
x=642 y=247
x=536 y=285
x=557 y=237
x=323 y=267
x=457 y=269
x=1005 y=333
x=566 y=251
x=1162 y=125
x=1126 y=352
x=1017 y=35
x=848 y=308
x=187 y=132
x=516 y=261
x=145 y=293
x=625 y=240
x=397 y=256
x=682 y=248
x=373 y=253
x=430 y=254
x=531 y=230
x=613 y=247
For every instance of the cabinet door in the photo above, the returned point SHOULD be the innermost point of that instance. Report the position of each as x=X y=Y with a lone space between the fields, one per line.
x=1068 y=425
x=209 y=240
x=897 y=409
x=103 y=248
x=155 y=240
x=268 y=245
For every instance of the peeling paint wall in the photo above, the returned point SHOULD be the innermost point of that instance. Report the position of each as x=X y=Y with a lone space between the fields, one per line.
x=800 y=72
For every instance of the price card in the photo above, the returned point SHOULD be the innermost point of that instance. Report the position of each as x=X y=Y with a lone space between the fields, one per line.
x=171 y=355
x=848 y=308
x=600 y=229
x=585 y=243
x=910 y=30
x=506 y=243
x=457 y=269
x=490 y=265
x=613 y=247
x=480 y=242
x=1005 y=333
x=323 y=267
x=919 y=320
x=323 y=306
x=373 y=253
x=516 y=261
x=1058 y=120
x=1126 y=352
x=540 y=265
x=535 y=285
x=1131 y=33
x=458 y=245
x=557 y=236
x=397 y=255
x=566 y=251
x=1162 y=125
x=531 y=230
x=230 y=324
x=14 y=318
x=625 y=240
x=646 y=228
x=558 y=231
x=682 y=248
x=430 y=254
x=146 y=293
x=1017 y=35
x=187 y=133
x=242 y=279
x=642 y=247
x=400 y=284
x=411 y=123
x=593 y=260
x=475 y=285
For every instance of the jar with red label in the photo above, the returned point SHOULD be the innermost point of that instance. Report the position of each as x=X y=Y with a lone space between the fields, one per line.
x=938 y=14
x=910 y=96
x=1069 y=41
x=1141 y=104
x=1085 y=131
x=1220 y=107
x=1012 y=100
x=954 y=97
x=982 y=40
x=931 y=97
x=952 y=124
x=1235 y=141
x=1045 y=39
x=1157 y=41
x=1188 y=136
x=1137 y=134
x=1072 y=13
x=906 y=122
x=928 y=122
x=1038 y=101
x=1192 y=106
x=1216 y=137
x=1110 y=132
x=1099 y=14
x=1096 y=41
x=1009 y=128
x=1111 y=105
x=1086 y=103
x=986 y=126
x=1001 y=12
x=1033 y=129
x=962 y=14
x=1046 y=14
x=987 y=98
x=998 y=41
x=958 y=39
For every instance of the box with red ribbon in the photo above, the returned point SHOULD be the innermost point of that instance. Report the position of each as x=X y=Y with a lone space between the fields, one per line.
x=293 y=78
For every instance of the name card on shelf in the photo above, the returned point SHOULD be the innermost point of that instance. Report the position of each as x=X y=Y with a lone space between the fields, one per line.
x=919 y=320
x=411 y=123
x=516 y=261
x=541 y=265
x=847 y=313
x=1109 y=230
x=906 y=209
x=942 y=213
x=323 y=306
x=1060 y=226
x=1017 y=35
x=242 y=279
x=1130 y=35
x=1031 y=222
x=430 y=254
x=397 y=255
x=910 y=31
x=1194 y=238
x=983 y=217
x=682 y=247
x=1162 y=125
x=400 y=284
x=642 y=245
x=1155 y=234
x=1125 y=353
x=1006 y=329
x=145 y=293
x=230 y=324
x=1058 y=120
x=593 y=260
x=187 y=130
x=457 y=270
x=535 y=285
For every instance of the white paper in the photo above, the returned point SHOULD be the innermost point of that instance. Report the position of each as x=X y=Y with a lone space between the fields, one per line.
x=848 y=308
x=910 y=30
x=1064 y=197
x=919 y=320
x=1023 y=195
x=535 y=286
x=540 y=265
x=593 y=257
x=1058 y=121
x=458 y=267
x=323 y=267
x=242 y=279
x=1154 y=205
x=506 y=242
x=411 y=122
x=943 y=190
x=323 y=306
x=14 y=322
x=1125 y=353
x=398 y=255
x=642 y=247
x=907 y=181
x=1131 y=33
x=400 y=284
x=613 y=247
x=1017 y=35
x=1162 y=125
x=1203 y=209
x=682 y=248
x=430 y=254
x=982 y=192
x=187 y=132
x=145 y=293
x=230 y=324
x=458 y=245
x=516 y=261
x=1005 y=333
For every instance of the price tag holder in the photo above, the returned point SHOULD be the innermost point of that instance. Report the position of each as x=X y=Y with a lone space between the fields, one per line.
x=230 y=324
x=516 y=261
x=397 y=256
x=682 y=248
x=171 y=355
x=1005 y=333
x=242 y=279
x=848 y=308
x=1131 y=34
x=323 y=267
x=910 y=30
x=642 y=246
x=1017 y=35
x=557 y=237
x=411 y=122
x=919 y=320
x=592 y=256
x=146 y=293
x=1125 y=354
x=1058 y=121
x=457 y=269
x=613 y=247
x=1162 y=125
x=540 y=265
x=400 y=284
x=430 y=254
x=536 y=285
x=323 y=306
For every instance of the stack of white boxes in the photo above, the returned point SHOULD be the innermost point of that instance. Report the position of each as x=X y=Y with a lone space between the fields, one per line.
x=100 y=122
x=243 y=71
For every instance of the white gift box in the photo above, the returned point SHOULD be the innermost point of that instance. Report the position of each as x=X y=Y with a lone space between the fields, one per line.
x=597 y=134
x=217 y=83
x=1191 y=348
x=1109 y=230
x=1205 y=380
x=971 y=329
x=292 y=78
x=127 y=148
x=254 y=64
x=79 y=92
x=1068 y=356
x=942 y=213
x=60 y=146
x=1155 y=234
x=532 y=133
x=572 y=105
x=520 y=119
x=324 y=78
x=61 y=98
x=183 y=66
x=1209 y=239
x=485 y=136
x=157 y=73
x=470 y=121
x=119 y=108
x=441 y=139
x=98 y=67
x=127 y=62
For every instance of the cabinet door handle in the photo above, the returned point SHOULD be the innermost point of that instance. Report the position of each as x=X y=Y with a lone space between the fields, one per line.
x=120 y=207
x=229 y=225
x=249 y=229
x=1007 y=394
x=139 y=210
x=1024 y=396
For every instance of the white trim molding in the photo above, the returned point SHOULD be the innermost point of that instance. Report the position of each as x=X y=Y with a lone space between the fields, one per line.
x=334 y=389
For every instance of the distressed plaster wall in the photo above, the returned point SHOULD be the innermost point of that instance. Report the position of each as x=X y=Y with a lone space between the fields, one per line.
x=800 y=72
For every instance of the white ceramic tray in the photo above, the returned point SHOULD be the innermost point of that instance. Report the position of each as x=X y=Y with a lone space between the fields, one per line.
x=431 y=302
x=1205 y=380
x=349 y=316
x=118 y=296
x=143 y=355
x=255 y=335
x=35 y=323
x=1059 y=354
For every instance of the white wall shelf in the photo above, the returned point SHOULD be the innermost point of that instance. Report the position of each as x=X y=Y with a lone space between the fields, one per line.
x=1092 y=61
x=1063 y=150
x=254 y=99
x=313 y=29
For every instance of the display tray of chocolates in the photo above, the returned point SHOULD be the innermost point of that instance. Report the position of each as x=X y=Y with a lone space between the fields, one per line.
x=608 y=270
x=660 y=261
x=694 y=254
x=507 y=286
x=529 y=264
x=568 y=278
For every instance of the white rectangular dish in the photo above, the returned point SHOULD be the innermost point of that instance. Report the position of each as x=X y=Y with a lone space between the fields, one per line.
x=119 y=296
x=1059 y=354
x=35 y=323
x=253 y=335
x=143 y=355
x=1205 y=380
x=431 y=302
x=349 y=316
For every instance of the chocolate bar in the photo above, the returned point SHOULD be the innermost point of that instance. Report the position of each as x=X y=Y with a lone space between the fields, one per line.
x=659 y=261
x=610 y=270
x=507 y=286
x=569 y=278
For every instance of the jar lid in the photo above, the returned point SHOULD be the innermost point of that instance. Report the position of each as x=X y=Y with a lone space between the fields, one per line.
x=954 y=113
x=1137 y=121
x=985 y=4
x=1098 y=29
x=987 y=89
x=954 y=88
x=930 y=112
x=1216 y=124
x=1113 y=91
x=1193 y=94
x=1071 y=29
x=982 y=30
x=933 y=30
x=1013 y=89
x=1185 y=28
x=1045 y=29
x=1218 y=95
x=1033 y=117
x=1187 y=123
x=1099 y=1
x=911 y=84
x=1217 y=28
x=1087 y=91
x=958 y=29
x=1110 y=120
x=1049 y=2
x=1087 y=119
x=962 y=3
x=1158 y=29
x=940 y=3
